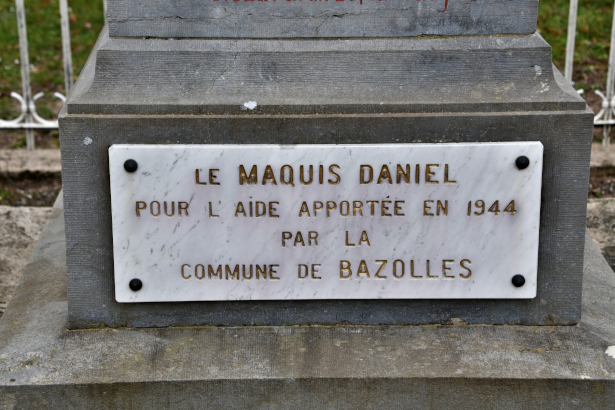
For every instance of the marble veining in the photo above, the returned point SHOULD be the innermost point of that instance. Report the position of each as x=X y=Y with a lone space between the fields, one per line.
x=362 y=226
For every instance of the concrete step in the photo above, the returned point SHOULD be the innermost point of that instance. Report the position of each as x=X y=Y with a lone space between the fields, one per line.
x=15 y=162
x=602 y=159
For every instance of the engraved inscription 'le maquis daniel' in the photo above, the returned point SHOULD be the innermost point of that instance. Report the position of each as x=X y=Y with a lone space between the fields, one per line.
x=326 y=222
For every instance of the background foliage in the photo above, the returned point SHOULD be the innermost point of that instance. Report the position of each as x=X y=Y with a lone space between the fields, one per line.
x=45 y=46
x=592 y=41
x=86 y=21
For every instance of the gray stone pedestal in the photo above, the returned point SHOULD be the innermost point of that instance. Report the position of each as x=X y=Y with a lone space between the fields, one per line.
x=402 y=72
x=45 y=365
x=335 y=91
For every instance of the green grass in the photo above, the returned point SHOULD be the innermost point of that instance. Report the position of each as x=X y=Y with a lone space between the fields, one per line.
x=45 y=47
x=593 y=30
x=86 y=21
x=5 y=194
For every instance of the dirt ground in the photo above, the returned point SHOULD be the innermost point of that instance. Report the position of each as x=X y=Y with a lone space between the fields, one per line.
x=601 y=187
x=29 y=189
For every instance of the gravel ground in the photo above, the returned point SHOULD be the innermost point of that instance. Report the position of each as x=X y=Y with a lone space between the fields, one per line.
x=20 y=228
x=601 y=226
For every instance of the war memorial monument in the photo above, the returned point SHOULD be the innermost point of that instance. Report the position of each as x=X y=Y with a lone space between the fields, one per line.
x=323 y=204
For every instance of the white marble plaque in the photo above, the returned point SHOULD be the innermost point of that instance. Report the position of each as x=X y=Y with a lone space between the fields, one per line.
x=271 y=222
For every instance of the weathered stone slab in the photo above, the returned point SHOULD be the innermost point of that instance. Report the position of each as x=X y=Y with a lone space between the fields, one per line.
x=319 y=18
x=18 y=161
x=218 y=77
x=42 y=364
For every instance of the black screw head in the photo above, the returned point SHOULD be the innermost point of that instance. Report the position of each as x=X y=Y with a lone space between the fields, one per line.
x=131 y=165
x=518 y=281
x=135 y=284
x=522 y=162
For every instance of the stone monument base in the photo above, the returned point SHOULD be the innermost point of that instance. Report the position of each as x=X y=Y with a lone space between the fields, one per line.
x=42 y=364
x=435 y=90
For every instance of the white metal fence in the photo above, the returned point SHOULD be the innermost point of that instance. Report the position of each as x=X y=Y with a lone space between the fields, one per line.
x=606 y=115
x=29 y=120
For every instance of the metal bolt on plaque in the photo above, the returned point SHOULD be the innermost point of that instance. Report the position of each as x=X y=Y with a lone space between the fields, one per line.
x=130 y=165
x=135 y=285
x=522 y=162
x=518 y=281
